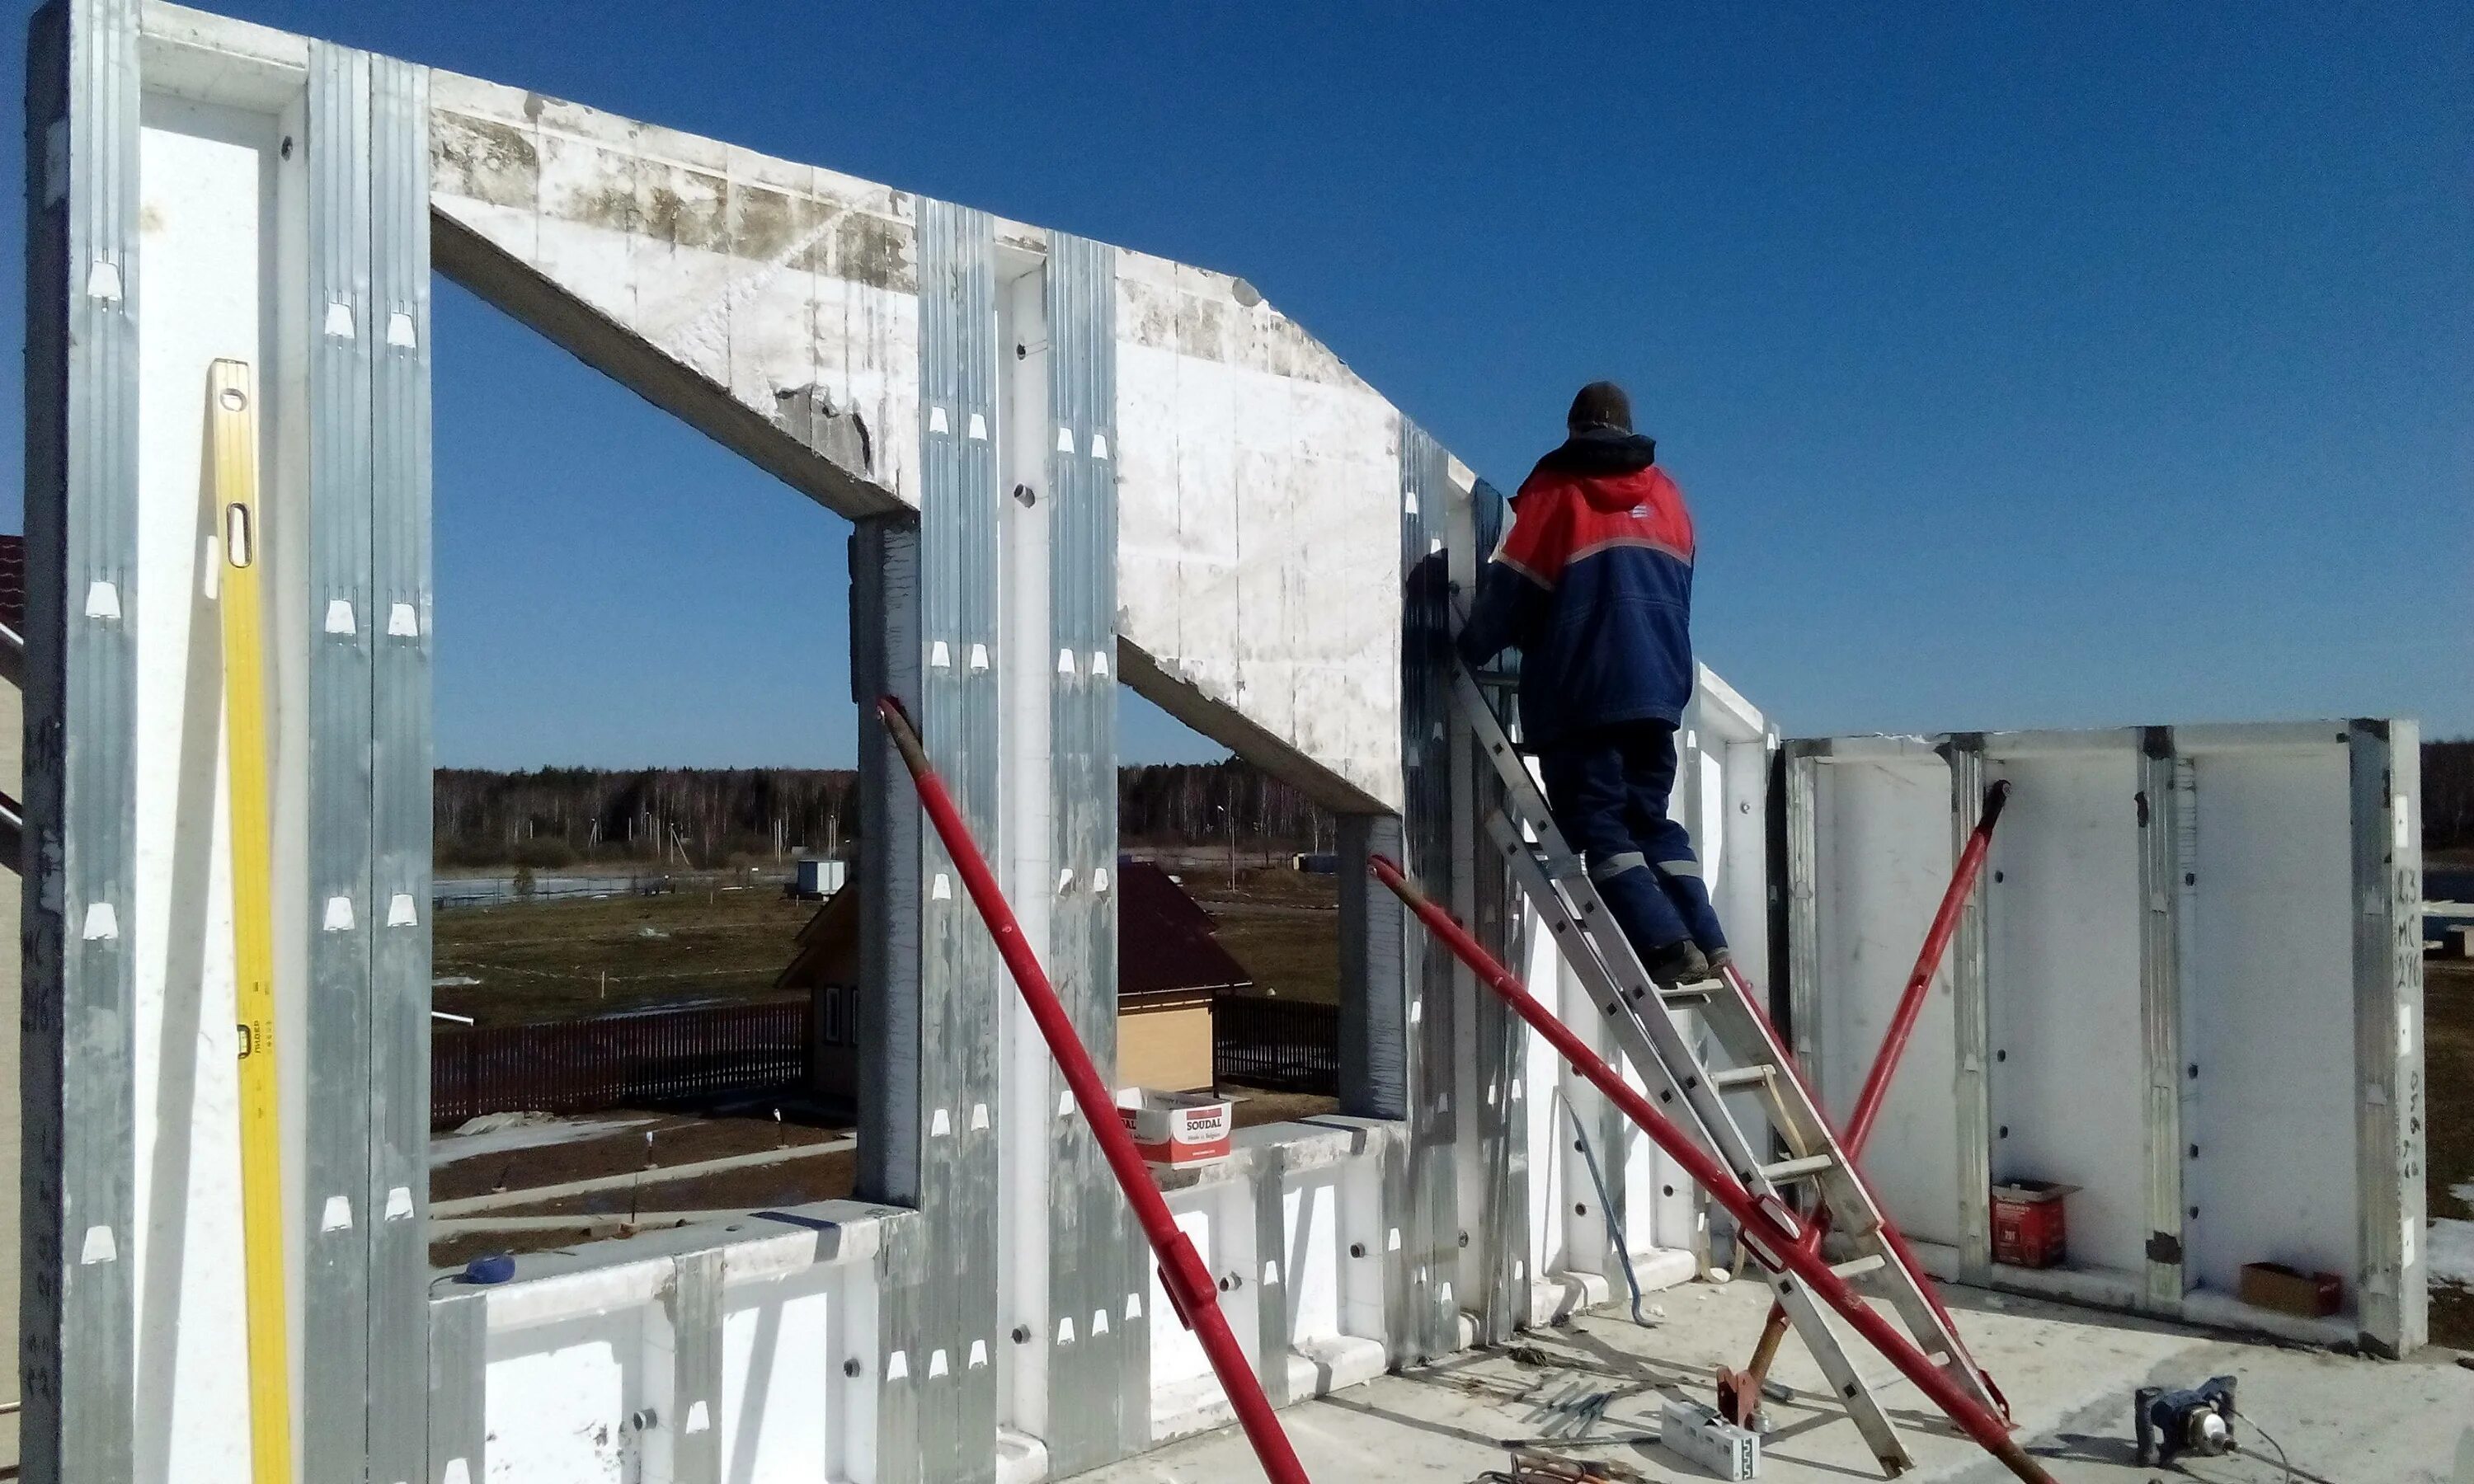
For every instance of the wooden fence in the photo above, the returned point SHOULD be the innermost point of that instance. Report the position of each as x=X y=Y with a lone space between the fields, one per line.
x=1281 y=1045
x=572 y=1067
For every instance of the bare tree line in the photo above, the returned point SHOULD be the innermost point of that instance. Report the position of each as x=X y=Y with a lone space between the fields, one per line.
x=706 y=817
x=714 y=817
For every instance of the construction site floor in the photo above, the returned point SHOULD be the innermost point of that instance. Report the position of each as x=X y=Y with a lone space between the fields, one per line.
x=2068 y=1373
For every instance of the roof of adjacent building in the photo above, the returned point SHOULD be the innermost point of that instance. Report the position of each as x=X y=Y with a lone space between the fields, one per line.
x=1166 y=943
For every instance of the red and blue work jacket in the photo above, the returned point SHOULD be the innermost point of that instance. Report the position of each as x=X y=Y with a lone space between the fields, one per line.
x=1593 y=585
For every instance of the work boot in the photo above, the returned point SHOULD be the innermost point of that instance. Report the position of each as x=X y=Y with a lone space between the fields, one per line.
x=1677 y=963
x=1719 y=957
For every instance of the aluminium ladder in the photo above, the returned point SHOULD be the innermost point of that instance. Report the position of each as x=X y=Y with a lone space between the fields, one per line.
x=1641 y=1014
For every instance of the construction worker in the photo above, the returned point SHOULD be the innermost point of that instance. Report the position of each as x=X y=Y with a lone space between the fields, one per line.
x=1593 y=585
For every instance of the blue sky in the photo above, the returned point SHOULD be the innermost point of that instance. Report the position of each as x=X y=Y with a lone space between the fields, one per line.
x=2026 y=366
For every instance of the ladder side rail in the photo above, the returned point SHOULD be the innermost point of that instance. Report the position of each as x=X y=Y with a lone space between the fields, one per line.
x=1773 y=1230
x=1673 y=1071
x=1734 y=1020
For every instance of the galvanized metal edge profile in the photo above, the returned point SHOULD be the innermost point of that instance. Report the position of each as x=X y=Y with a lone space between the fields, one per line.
x=1099 y=1391
x=1272 y=1280
x=2385 y=763
x=1431 y=1225
x=458 y=1332
x=1803 y=909
x=695 y=1311
x=82 y=278
x=2161 y=806
x=1374 y=1000
x=885 y=651
x=398 y=627
x=960 y=979
x=1504 y=1260
x=1374 y=1036
x=336 y=1218
x=1971 y=1025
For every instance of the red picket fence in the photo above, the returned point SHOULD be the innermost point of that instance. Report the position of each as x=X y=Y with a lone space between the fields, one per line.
x=570 y=1067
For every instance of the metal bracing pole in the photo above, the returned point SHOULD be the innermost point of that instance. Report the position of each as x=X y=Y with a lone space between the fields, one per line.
x=1189 y=1284
x=1773 y=1231
x=1739 y=1396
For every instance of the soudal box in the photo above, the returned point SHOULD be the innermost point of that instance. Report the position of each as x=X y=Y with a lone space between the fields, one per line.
x=1176 y=1128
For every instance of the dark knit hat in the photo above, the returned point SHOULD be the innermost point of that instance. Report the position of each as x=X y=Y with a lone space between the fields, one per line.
x=1601 y=404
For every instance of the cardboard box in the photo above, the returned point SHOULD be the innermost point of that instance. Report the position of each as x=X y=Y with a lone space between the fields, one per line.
x=1176 y=1128
x=2272 y=1285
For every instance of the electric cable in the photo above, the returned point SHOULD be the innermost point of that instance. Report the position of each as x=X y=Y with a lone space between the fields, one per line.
x=2282 y=1462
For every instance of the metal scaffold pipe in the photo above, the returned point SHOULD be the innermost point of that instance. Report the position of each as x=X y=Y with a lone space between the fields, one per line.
x=1773 y=1231
x=1188 y=1282
x=1740 y=1395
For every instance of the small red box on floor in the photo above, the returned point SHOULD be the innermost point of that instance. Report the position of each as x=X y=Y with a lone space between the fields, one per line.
x=2029 y=1229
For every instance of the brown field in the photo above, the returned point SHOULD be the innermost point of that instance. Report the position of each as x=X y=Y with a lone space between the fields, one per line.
x=559 y=959
x=1284 y=926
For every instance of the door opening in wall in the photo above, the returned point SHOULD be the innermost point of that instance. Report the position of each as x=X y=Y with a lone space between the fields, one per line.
x=645 y=814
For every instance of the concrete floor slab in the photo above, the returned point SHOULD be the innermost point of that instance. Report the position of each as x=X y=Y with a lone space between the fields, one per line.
x=2068 y=1373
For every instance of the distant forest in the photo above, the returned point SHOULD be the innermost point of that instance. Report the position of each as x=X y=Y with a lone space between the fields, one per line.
x=715 y=817
x=711 y=817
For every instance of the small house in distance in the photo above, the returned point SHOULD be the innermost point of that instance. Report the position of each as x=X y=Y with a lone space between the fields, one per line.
x=819 y=876
x=1170 y=967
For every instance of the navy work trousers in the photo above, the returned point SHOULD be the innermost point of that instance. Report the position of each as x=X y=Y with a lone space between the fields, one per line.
x=1609 y=788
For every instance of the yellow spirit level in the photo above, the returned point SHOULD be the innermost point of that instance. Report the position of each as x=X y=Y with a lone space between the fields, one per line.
x=231 y=421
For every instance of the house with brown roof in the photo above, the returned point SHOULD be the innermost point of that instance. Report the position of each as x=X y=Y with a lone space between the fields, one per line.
x=1170 y=969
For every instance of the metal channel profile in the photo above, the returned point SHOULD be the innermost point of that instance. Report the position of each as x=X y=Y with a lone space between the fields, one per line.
x=335 y=1321
x=81 y=287
x=960 y=980
x=1971 y=1023
x=2161 y=824
x=1374 y=1002
x=2385 y=763
x=885 y=657
x=695 y=1306
x=1374 y=1036
x=1273 y=1311
x=1099 y=1388
x=458 y=1334
x=1494 y=1273
x=1802 y=767
x=1430 y=1219
x=398 y=629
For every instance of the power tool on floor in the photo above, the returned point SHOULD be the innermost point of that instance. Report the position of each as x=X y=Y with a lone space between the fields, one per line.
x=2196 y=1421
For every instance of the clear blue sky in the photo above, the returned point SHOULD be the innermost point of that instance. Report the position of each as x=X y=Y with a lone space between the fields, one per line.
x=2026 y=366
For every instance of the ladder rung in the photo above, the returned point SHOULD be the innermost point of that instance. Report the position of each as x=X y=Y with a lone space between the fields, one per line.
x=1796 y=1169
x=1557 y=868
x=1735 y=1077
x=1857 y=1267
x=1684 y=995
